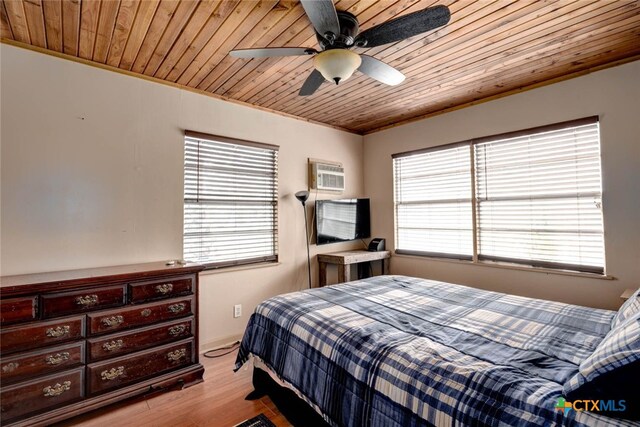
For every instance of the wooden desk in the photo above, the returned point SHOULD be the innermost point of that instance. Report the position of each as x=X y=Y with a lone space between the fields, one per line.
x=344 y=260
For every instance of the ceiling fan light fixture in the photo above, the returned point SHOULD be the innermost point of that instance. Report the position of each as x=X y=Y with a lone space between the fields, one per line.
x=337 y=65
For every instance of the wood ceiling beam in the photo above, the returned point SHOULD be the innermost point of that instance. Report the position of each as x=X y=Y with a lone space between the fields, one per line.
x=139 y=29
x=5 y=27
x=17 y=20
x=89 y=18
x=226 y=11
x=35 y=22
x=106 y=26
x=156 y=30
x=183 y=14
x=52 y=10
x=198 y=21
x=209 y=56
x=263 y=34
x=70 y=26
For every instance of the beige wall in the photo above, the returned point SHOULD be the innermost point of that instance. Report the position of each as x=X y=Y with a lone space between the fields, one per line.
x=614 y=95
x=92 y=170
x=91 y=174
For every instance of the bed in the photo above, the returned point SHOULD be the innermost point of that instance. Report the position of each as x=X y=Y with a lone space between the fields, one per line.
x=403 y=351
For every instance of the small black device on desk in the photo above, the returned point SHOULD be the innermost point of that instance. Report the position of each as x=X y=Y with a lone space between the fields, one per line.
x=376 y=245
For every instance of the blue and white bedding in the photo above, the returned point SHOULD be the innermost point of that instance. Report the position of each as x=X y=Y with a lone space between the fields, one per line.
x=402 y=351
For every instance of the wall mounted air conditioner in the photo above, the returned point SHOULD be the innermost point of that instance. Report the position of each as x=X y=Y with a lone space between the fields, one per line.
x=326 y=176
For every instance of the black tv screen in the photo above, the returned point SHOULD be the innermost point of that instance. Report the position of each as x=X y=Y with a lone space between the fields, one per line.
x=342 y=220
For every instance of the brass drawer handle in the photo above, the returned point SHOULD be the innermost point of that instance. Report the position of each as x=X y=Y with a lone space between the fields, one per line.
x=174 y=356
x=87 y=300
x=112 y=373
x=58 y=358
x=58 y=331
x=177 y=330
x=145 y=313
x=57 y=389
x=113 y=320
x=177 y=308
x=164 y=289
x=10 y=367
x=113 y=345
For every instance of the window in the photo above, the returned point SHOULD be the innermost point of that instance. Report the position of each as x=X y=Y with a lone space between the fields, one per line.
x=531 y=197
x=230 y=201
x=433 y=202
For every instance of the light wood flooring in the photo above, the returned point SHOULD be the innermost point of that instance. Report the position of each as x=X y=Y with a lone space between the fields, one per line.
x=218 y=401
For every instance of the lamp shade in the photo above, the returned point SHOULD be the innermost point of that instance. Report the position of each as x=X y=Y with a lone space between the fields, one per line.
x=337 y=65
x=302 y=196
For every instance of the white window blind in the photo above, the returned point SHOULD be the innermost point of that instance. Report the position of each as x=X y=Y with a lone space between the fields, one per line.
x=433 y=202
x=539 y=198
x=230 y=201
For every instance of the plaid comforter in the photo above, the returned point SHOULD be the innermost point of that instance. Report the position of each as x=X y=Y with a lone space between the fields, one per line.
x=402 y=351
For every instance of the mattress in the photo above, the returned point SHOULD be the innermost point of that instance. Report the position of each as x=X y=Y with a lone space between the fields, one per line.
x=404 y=351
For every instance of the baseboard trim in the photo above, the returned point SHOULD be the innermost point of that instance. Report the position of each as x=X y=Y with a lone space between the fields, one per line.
x=221 y=342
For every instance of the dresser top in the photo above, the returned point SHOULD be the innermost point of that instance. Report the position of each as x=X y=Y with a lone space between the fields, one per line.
x=59 y=280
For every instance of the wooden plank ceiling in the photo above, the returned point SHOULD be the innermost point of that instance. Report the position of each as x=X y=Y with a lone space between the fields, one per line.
x=489 y=47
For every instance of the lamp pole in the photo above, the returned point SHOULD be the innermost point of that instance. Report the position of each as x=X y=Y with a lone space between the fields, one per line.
x=303 y=196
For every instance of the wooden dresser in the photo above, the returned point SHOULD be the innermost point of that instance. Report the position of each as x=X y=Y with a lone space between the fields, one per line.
x=74 y=341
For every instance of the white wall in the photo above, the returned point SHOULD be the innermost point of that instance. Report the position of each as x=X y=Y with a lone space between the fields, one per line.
x=614 y=95
x=92 y=175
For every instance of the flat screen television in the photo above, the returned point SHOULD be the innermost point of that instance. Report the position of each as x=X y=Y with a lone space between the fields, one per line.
x=342 y=220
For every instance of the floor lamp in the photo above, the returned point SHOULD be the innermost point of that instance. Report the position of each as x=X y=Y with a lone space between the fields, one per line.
x=303 y=196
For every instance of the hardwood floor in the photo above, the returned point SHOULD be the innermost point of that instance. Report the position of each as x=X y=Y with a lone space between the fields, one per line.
x=218 y=401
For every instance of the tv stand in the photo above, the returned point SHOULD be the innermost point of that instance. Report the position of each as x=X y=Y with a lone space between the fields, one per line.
x=345 y=259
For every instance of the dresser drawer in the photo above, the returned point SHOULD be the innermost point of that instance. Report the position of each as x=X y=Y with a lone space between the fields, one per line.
x=115 y=373
x=18 y=309
x=35 y=335
x=140 y=315
x=46 y=361
x=139 y=339
x=41 y=393
x=145 y=291
x=79 y=301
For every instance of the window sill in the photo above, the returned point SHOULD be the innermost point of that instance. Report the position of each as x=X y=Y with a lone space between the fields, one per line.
x=232 y=269
x=509 y=266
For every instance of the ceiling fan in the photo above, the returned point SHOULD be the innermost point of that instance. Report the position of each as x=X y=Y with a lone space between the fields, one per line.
x=337 y=32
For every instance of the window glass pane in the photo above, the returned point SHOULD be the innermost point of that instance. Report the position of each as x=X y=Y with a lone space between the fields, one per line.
x=230 y=202
x=539 y=199
x=433 y=202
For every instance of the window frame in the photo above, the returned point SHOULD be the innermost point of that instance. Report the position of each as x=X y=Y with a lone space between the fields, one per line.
x=477 y=259
x=433 y=254
x=271 y=259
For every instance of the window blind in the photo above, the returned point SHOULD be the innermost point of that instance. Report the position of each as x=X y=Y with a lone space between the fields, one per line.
x=230 y=201
x=433 y=202
x=539 y=198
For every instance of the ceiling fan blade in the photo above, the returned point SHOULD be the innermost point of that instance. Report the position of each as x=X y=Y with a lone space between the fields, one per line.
x=380 y=71
x=268 y=52
x=404 y=27
x=312 y=83
x=323 y=16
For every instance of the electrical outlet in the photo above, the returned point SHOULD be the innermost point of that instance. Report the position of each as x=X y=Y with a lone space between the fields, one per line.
x=237 y=310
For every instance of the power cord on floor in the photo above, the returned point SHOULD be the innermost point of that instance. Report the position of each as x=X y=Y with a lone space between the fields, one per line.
x=233 y=347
